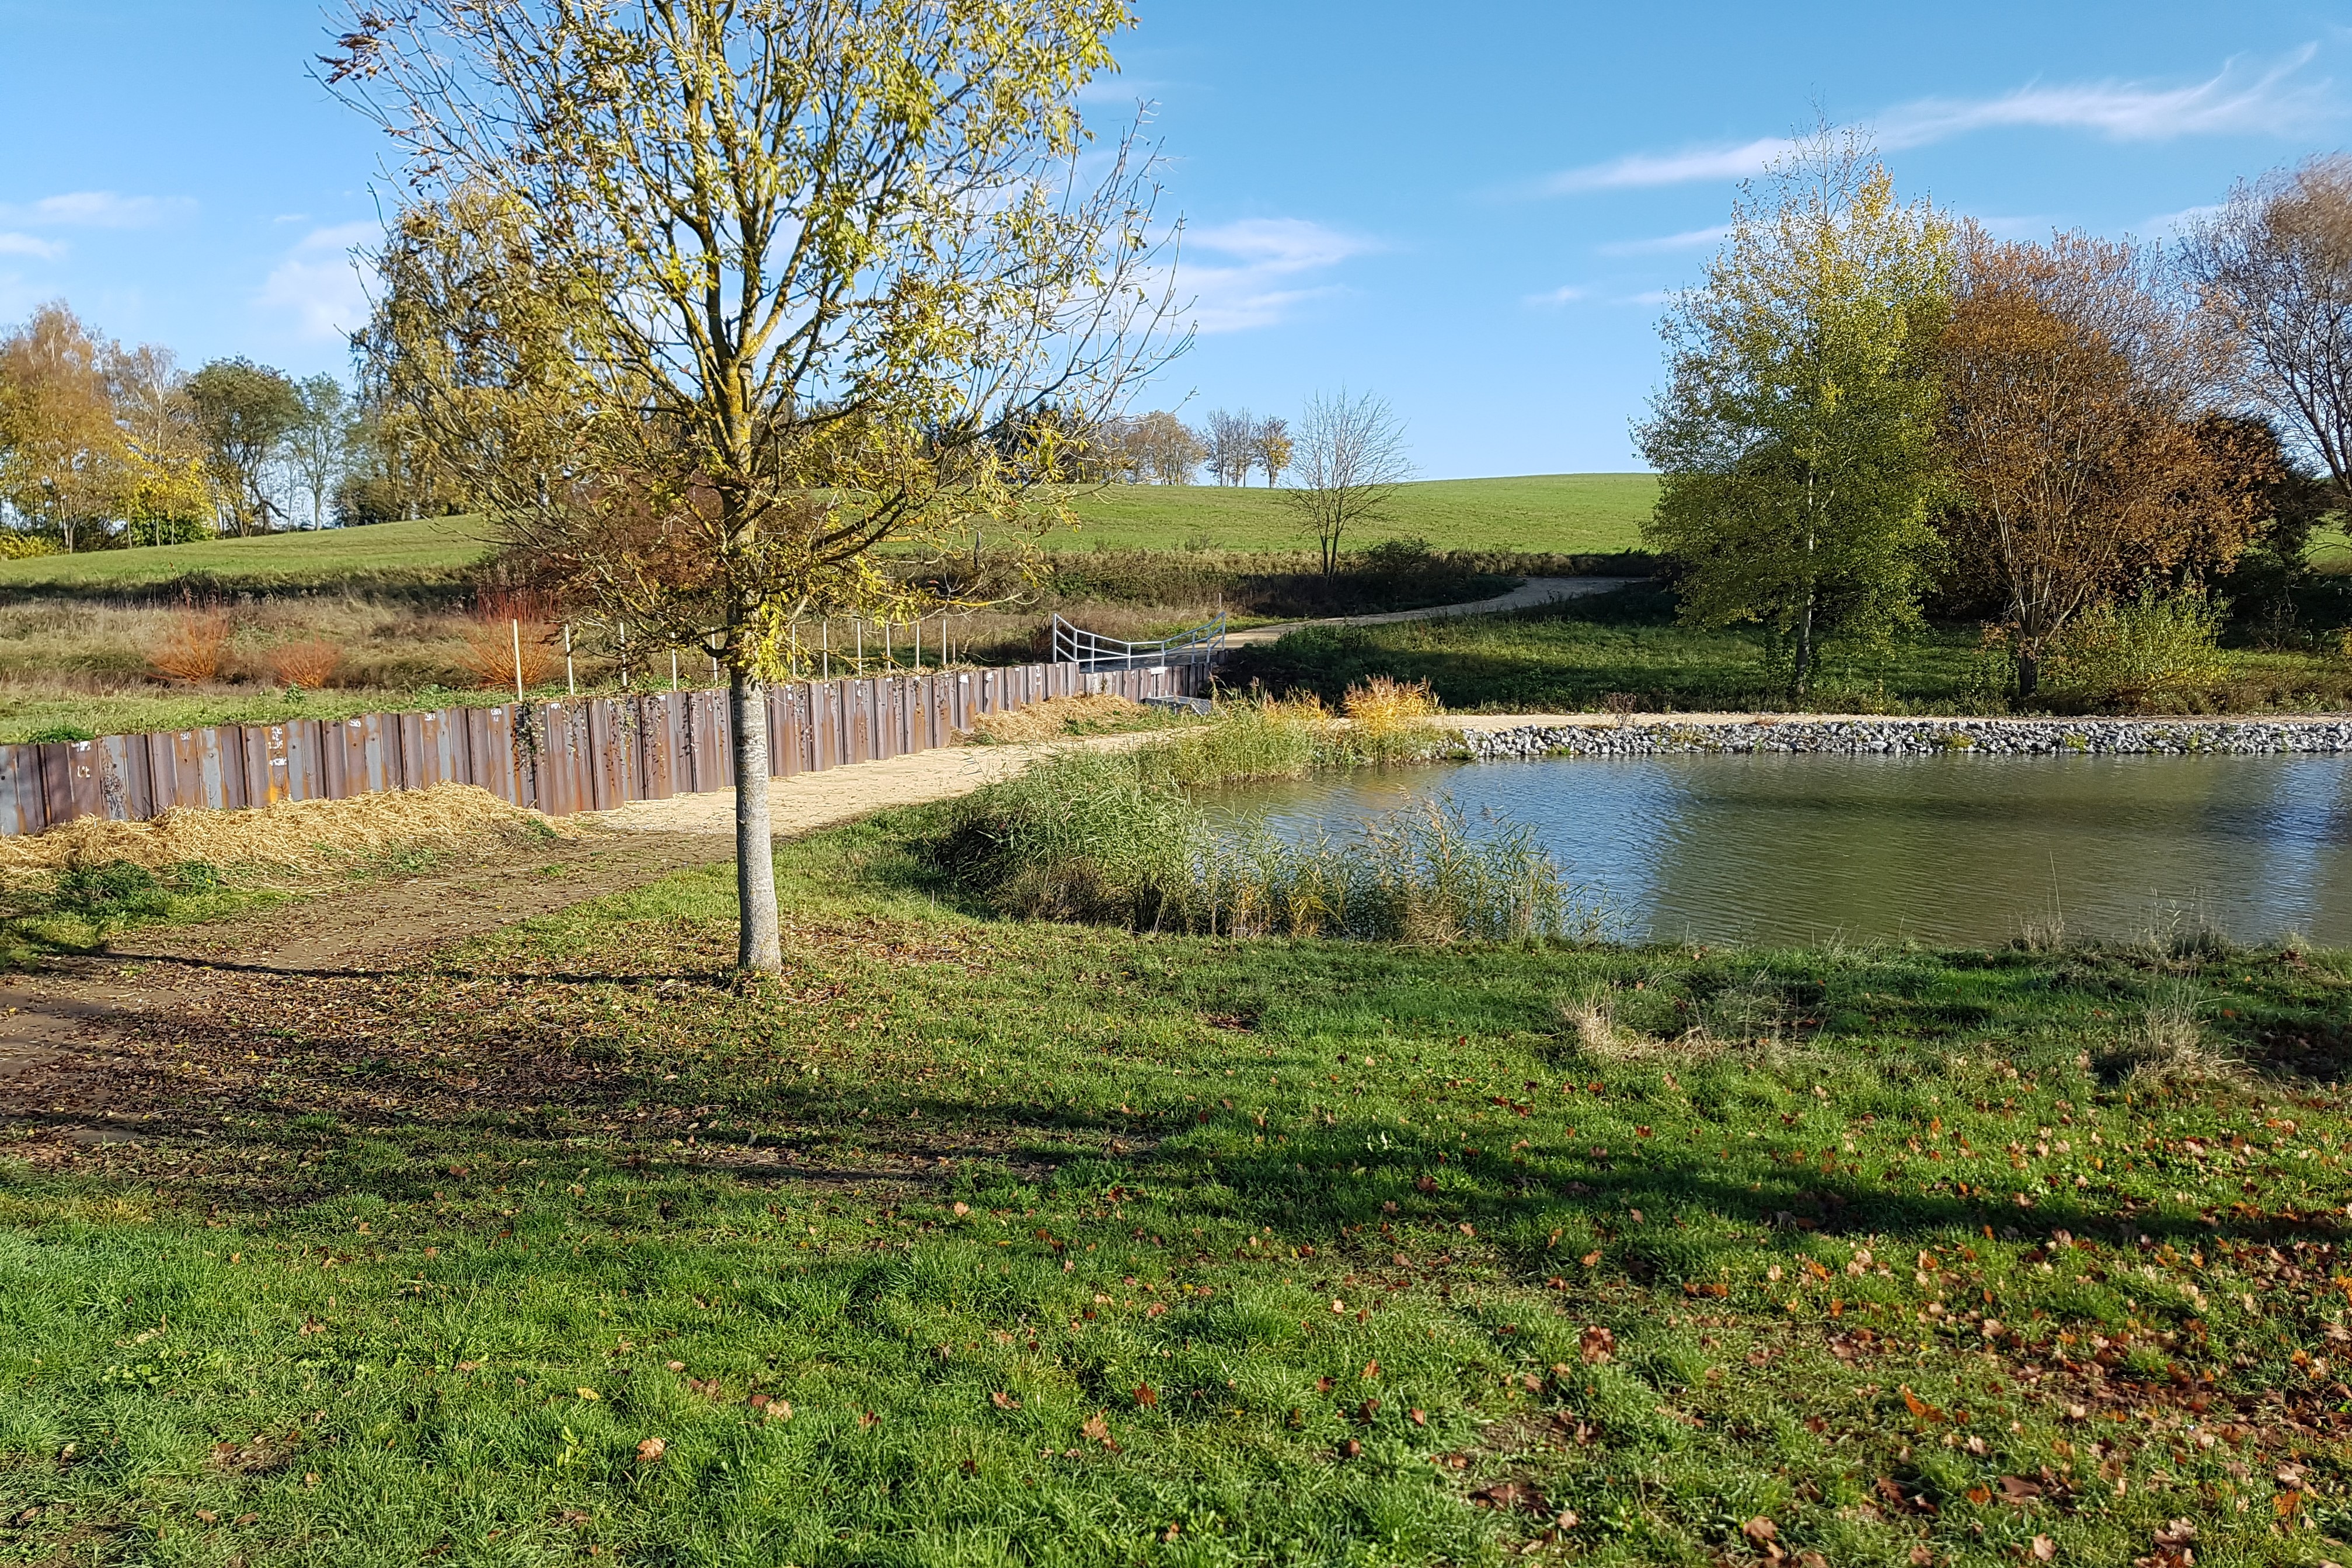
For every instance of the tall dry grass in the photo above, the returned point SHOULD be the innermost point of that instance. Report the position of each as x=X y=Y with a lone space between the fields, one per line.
x=291 y=835
x=1383 y=705
x=191 y=644
x=310 y=664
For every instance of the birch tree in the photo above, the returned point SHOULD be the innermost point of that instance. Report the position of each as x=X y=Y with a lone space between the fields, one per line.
x=1796 y=436
x=705 y=300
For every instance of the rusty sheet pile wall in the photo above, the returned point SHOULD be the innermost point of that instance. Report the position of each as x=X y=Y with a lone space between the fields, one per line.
x=577 y=754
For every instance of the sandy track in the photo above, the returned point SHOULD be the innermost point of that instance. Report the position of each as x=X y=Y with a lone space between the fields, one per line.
x=808 y=801
x=1534 y=591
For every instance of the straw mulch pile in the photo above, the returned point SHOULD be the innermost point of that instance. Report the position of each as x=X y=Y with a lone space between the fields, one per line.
x=293 y=836
x=1057 y=717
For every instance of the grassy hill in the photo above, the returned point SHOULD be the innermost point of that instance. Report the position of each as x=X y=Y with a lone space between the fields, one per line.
x=1564 y=514
x=422 y=551
x=1546 y=513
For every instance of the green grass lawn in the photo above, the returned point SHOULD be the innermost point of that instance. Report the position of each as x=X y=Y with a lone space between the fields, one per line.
x=1548 y=513
x=1569 y=658
x=424 y=550
x=1536 y=514
x=979 y=1241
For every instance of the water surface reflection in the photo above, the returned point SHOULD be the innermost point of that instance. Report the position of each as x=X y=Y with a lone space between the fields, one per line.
x=1948 y=849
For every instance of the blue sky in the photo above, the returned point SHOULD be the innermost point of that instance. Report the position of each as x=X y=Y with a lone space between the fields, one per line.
x=1473 y=209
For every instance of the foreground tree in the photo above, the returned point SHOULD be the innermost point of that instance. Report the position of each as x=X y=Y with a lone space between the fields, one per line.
x=1350 y=459
x=2084 y=465
x=1795 y=440
x=243 y=412
x=2273 y=270
x=703 y=301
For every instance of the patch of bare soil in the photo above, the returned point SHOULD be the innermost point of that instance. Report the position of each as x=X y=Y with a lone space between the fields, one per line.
x=60 y=1057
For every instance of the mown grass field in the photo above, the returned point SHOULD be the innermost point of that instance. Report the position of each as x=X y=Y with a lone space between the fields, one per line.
x=1571 y=656
x=980 y=1241
x=1538 y=514
x=427 y=550
x=1563 y=514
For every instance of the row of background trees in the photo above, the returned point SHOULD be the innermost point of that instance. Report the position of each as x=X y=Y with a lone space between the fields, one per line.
x=106 y=446
x=1874 y=405
x=1159 y=448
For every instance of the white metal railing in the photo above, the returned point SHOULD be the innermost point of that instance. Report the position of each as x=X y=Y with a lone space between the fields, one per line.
x=1090 y=651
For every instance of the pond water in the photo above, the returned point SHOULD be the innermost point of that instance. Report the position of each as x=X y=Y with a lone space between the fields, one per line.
x=1959 y=851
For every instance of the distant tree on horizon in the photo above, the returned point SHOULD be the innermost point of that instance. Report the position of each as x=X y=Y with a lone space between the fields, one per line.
x=1351 y=459
x=1273 y=446
x=243 y=413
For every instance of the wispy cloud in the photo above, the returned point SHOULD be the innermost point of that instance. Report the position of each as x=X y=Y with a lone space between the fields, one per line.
x=1566 y=294
x=321 y=284
x=96 y=209
x=1689 y=239
x=1267 y=267
x=2239 y=99
x=28 y=244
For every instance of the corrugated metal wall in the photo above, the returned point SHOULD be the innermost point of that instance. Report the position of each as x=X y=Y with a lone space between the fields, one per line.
x=582 y=754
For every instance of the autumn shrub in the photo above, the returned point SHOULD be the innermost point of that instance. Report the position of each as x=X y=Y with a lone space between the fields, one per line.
x=191 y=647
x=510 y=631
x=1383 y=705
x=18 y=545
x=2144 y=654
x=310 y=664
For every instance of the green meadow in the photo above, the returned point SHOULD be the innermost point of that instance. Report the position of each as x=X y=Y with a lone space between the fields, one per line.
x=1541 y=515
x=978 y=1240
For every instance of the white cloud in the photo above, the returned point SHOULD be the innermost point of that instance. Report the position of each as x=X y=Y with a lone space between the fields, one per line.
x=2236 y=100
x=1690 y=239
x=1567 y=293
x=321 y=284
x=97 y=209
x=1671 y=168
x=1269 y=259
x=26 y=244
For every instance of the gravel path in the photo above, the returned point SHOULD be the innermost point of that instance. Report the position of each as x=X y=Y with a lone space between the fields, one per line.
x=808 y=801
x=1526 y=596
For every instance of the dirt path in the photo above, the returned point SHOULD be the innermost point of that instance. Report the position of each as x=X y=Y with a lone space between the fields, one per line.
x=1534 y=591
x=60 y=1017
x=810 y=801
x=56 y=1025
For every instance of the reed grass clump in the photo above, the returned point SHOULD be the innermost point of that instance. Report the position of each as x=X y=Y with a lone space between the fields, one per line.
x=1383 y=705
x=1114 y=839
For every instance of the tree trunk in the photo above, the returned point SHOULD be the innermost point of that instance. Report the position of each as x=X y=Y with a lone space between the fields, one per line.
x=759 y=950
x=1804 y=662
x=2029 y=675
